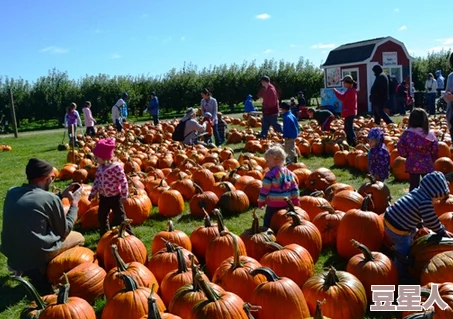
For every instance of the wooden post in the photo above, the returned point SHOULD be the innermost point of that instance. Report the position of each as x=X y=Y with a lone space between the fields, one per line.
x=13 y=113
x=72 y=141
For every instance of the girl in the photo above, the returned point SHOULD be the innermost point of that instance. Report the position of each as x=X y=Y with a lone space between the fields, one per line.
x=89 y=120
x=419 y=146
x=378 y=156
x=278 y=183
x=349 y=107
x=209 y=104
x=71 y=120
x=111 y=185
x=209 y=127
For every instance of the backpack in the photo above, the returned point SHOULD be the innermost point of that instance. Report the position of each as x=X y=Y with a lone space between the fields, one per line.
x=178 y=134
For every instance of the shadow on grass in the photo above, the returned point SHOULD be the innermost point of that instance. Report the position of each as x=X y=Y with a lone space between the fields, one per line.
x=9 y=294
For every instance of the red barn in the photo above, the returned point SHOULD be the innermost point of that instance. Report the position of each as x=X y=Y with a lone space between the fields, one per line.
x=358 y=58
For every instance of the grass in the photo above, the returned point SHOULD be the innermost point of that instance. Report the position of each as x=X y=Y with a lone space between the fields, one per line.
x=12 y=173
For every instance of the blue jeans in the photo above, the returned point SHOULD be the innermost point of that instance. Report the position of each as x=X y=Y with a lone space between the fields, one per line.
x=268 y=215
x=349 y=130
x=268 y=121
x=215 y=130
x=402 y=105
x=402 y=246
x=430 y=103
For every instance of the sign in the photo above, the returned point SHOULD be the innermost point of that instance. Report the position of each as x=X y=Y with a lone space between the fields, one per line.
x=409 y=298
x=389 y=58
x=329 y=100
x=333 y=77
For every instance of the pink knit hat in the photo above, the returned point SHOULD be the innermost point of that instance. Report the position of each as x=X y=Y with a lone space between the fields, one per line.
x=105 y=149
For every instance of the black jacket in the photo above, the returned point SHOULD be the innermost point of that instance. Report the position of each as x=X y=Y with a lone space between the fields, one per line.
x=380 y=89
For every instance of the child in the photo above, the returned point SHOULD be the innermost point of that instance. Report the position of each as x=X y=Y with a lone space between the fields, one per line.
x=419 y=146
x=290 y=132
x=111 y=185
x=119 y=112
x=349 y=107
x=222 y=126
x=323 y=117
x=89 y=120
x=209 y=127
x=278 y=183
x=378 y=156
x=153 y=108
x=248 y=104
x=71 y=120
x=401 y=219
x=294 y=107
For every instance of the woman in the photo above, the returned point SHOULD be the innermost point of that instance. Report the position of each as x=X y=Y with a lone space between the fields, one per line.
x=209 y=104
x=192 y=127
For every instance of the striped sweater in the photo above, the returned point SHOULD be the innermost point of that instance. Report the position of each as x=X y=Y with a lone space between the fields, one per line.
x=417 y=206
x=278 y=183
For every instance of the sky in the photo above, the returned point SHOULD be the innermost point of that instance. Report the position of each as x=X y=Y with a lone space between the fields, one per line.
x=150 y=37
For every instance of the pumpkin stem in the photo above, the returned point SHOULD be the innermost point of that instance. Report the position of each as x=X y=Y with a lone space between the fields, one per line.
x=317 y=194
x=32 y=292
x=122 y=228
x=169 y=246
x=63 y=292
x=119 y=262
x=327 y=208
x=368 y=199
x=207 y=219
x=228 y=188
x=248 y=308
x=198 y=188
x=171 y=227
x=210 y=294
x=364 y=249
x=331 y=277
x=236 y=256
x=296 y=220
x=182 y=267
x=194 y=269
x=270 y=275
x=318 y=312
x=372 y=178
x=130 y=283
x=153 y=310
x=255 y=223
x=274 y=245
x=290 y=204
x=220 y=224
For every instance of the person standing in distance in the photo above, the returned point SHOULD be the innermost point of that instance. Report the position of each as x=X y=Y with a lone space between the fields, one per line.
x=270 y=107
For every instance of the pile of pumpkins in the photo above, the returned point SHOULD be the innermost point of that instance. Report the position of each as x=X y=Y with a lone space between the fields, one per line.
x=254 y=274
x=5 y=148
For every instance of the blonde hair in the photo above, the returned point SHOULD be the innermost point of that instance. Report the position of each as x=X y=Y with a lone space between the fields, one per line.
x=276 y=151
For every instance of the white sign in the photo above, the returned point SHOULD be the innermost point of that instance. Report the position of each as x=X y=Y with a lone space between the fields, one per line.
x=389 y=58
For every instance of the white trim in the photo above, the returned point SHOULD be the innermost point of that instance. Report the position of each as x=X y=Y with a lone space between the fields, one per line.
x=399 y=66
x=401 y=44
x=342 y=65
x=352 y=70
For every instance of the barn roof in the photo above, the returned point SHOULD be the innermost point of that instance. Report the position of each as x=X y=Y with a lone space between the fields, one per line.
x=352 y=52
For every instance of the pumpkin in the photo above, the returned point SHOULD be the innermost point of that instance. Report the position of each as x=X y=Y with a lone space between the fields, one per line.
x=137 y=206
x=318 y=312
x=292 y=261
x=177 y=237
x=222 y=187
x=280 y=217
x=131 y=302
x=104 y=242
x=202 y=199
x=330 y=191
x=444 y=205
x=303 y=233
x=86 y=281
x=320 y=179
x=443 y=165
x=361 y=225
x=223 y=305
x=344 y=294
x=188 y=295
x=233 y=274
x=153 y=310
x=327 y=223
x=252 y=190
x=302 y=176
x=68 y=260
x=398 y=168
x=185 y=186
x=221 y=248
x=204 y=178
x=242 y=181
x=447 y=220
x=439 y=269
x=170 y=203
x=233 y=202
x=380 y=194
x=113 y=282
x=372 y=268
x=346 y=200
x=256 y=239
x=312 y=204
x=130 y=248
x=279 y=291
x=80 y=175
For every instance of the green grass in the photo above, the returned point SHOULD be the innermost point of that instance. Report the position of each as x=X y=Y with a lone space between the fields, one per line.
x=12 y=172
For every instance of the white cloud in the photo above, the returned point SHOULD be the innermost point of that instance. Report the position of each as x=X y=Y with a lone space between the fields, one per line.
x=323 y=46
x=411 y=52
x=396 y=10
x=115 y=56
x=54 y=50
x=268 y=51
x=447 y=41
x=183 y=38
x=263 y=16
x=440 y=48
x=402 y=28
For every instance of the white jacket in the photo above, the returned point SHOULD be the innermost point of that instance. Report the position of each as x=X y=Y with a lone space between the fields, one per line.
x=116 y=114
x=431 y=84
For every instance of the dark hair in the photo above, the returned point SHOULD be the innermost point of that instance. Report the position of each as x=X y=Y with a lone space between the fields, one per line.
x=285 y=106
x=71 y=107
x=266 y=78
x=205 y=91
x=419 y=118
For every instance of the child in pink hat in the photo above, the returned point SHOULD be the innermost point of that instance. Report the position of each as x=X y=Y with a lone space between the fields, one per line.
x=111 y=185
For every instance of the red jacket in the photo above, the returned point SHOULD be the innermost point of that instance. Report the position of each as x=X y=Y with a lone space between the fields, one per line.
x=270 y=100
x=349 y=100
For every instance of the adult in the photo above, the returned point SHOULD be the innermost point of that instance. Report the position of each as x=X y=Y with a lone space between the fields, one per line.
x=270 y=107
x=302 y=105
x=440 y=82
x=192 y=128
x=35 y=225
x=402 y=97
x=153 y=108
x=431 y=91
x=379 y=95
x=209 y=104
x=248 y=104
x=448 y=97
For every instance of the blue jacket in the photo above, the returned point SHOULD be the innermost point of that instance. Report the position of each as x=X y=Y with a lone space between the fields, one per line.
x=248 y=105
x=290 y=125
x=124 y=112
x=153 y=107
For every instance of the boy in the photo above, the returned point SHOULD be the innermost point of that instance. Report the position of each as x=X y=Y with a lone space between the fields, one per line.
x=402 y=218
x=323 y=117
x=221 y=126
x=290 y=132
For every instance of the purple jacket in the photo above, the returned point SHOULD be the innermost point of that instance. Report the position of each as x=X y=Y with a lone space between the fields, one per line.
x=378 y=156
x=420 y=152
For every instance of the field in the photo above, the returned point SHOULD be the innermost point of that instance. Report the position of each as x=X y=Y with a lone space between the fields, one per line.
x=43 y=145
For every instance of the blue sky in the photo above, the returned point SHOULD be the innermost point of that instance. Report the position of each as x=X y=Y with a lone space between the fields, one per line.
x=152 y=36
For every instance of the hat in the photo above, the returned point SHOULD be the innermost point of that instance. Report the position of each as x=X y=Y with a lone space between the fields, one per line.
x=37 y=168
x=208 y=115
x=104 y=149
x=292 y=98
x=189 y=112
x=153 y=93
x=285 y=106
x=347 y=79
x=265 y=78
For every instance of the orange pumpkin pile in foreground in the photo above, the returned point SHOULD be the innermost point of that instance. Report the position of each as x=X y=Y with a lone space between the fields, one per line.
x=246 y=275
